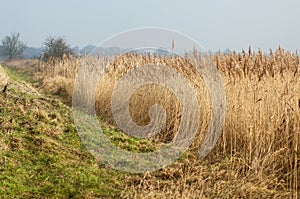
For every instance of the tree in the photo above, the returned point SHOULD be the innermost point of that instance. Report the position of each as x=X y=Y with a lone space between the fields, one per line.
x=12 y=47
x=56 y=47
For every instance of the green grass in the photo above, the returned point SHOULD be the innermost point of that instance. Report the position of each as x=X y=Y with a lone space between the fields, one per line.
x=126 y=142
x=41 y=155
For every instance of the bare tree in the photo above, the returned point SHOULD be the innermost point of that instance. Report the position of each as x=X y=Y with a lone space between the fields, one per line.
x=12 y=47
x=56 y=47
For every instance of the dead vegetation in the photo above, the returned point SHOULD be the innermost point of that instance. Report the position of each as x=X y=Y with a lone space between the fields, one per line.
x=257 y=155
x=3 y=80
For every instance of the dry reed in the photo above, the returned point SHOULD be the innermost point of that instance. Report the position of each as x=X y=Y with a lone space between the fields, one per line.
x=257 y=155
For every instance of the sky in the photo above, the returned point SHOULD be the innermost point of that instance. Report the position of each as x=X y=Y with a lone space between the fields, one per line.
x=215 y=24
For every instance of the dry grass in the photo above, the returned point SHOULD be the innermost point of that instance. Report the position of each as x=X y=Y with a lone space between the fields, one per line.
x=3 y=78
x=258 y=153
x=148 y=95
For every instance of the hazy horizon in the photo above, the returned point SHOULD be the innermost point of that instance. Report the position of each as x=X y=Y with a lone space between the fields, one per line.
x=217 y=25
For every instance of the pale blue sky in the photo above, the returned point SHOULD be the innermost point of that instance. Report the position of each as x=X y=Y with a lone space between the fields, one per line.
x=216 y=24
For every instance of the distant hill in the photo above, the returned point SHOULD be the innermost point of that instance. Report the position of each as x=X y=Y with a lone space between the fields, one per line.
x=33 y=52
x=29 y=52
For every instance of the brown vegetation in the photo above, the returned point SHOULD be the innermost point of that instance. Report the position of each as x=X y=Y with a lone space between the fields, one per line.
x=257 y=155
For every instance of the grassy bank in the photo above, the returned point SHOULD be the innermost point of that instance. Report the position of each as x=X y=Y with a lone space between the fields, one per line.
x=41 y=155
